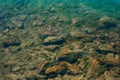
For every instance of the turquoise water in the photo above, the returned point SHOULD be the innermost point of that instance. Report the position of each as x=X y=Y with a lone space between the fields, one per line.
x=111 y=5
x=88 y=9
x=104 y=6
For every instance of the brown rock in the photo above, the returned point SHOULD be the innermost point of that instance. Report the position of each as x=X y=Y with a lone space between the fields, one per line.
x=88 y=38
x=105 y=48
x=108 y=76
x=57 y=78
x=64 y=51
x=110 y=58
x=106 y=22
x=76 y=45
x=33 y=75
x=117 y=59
x=54 y=69
x=53 y=40
x=51 y=47
x=62 y=18
x=77 y=34
x=42 y=66
x=76 y=21
x=15 y=69
x=10 y=41
x=72 y=68
x=69 y=55
x=92 y=69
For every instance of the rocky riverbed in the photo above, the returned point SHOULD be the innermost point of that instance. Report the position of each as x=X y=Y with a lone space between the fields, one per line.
x=43 y=45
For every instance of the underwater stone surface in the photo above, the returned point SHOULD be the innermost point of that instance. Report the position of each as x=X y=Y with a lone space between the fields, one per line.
x=59 y=40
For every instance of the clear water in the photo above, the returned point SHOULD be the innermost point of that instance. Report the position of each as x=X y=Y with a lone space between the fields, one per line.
x=110 y=7
x=69 y=8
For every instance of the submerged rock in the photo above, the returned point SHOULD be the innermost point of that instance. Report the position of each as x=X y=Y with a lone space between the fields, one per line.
x=53 y=40
x=112 y=59
x=14 y=49
x=88 y=38
x=77 y=34
x=106 y=22
x=69 y=55
x=79 y=53
x=10 y=41
x=55 y=69
x=77 y=21
x=16 y=69
x=71 y=68
x=52 y=47
x=105 y=48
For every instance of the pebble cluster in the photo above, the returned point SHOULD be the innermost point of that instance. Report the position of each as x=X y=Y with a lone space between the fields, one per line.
x=34 y=46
